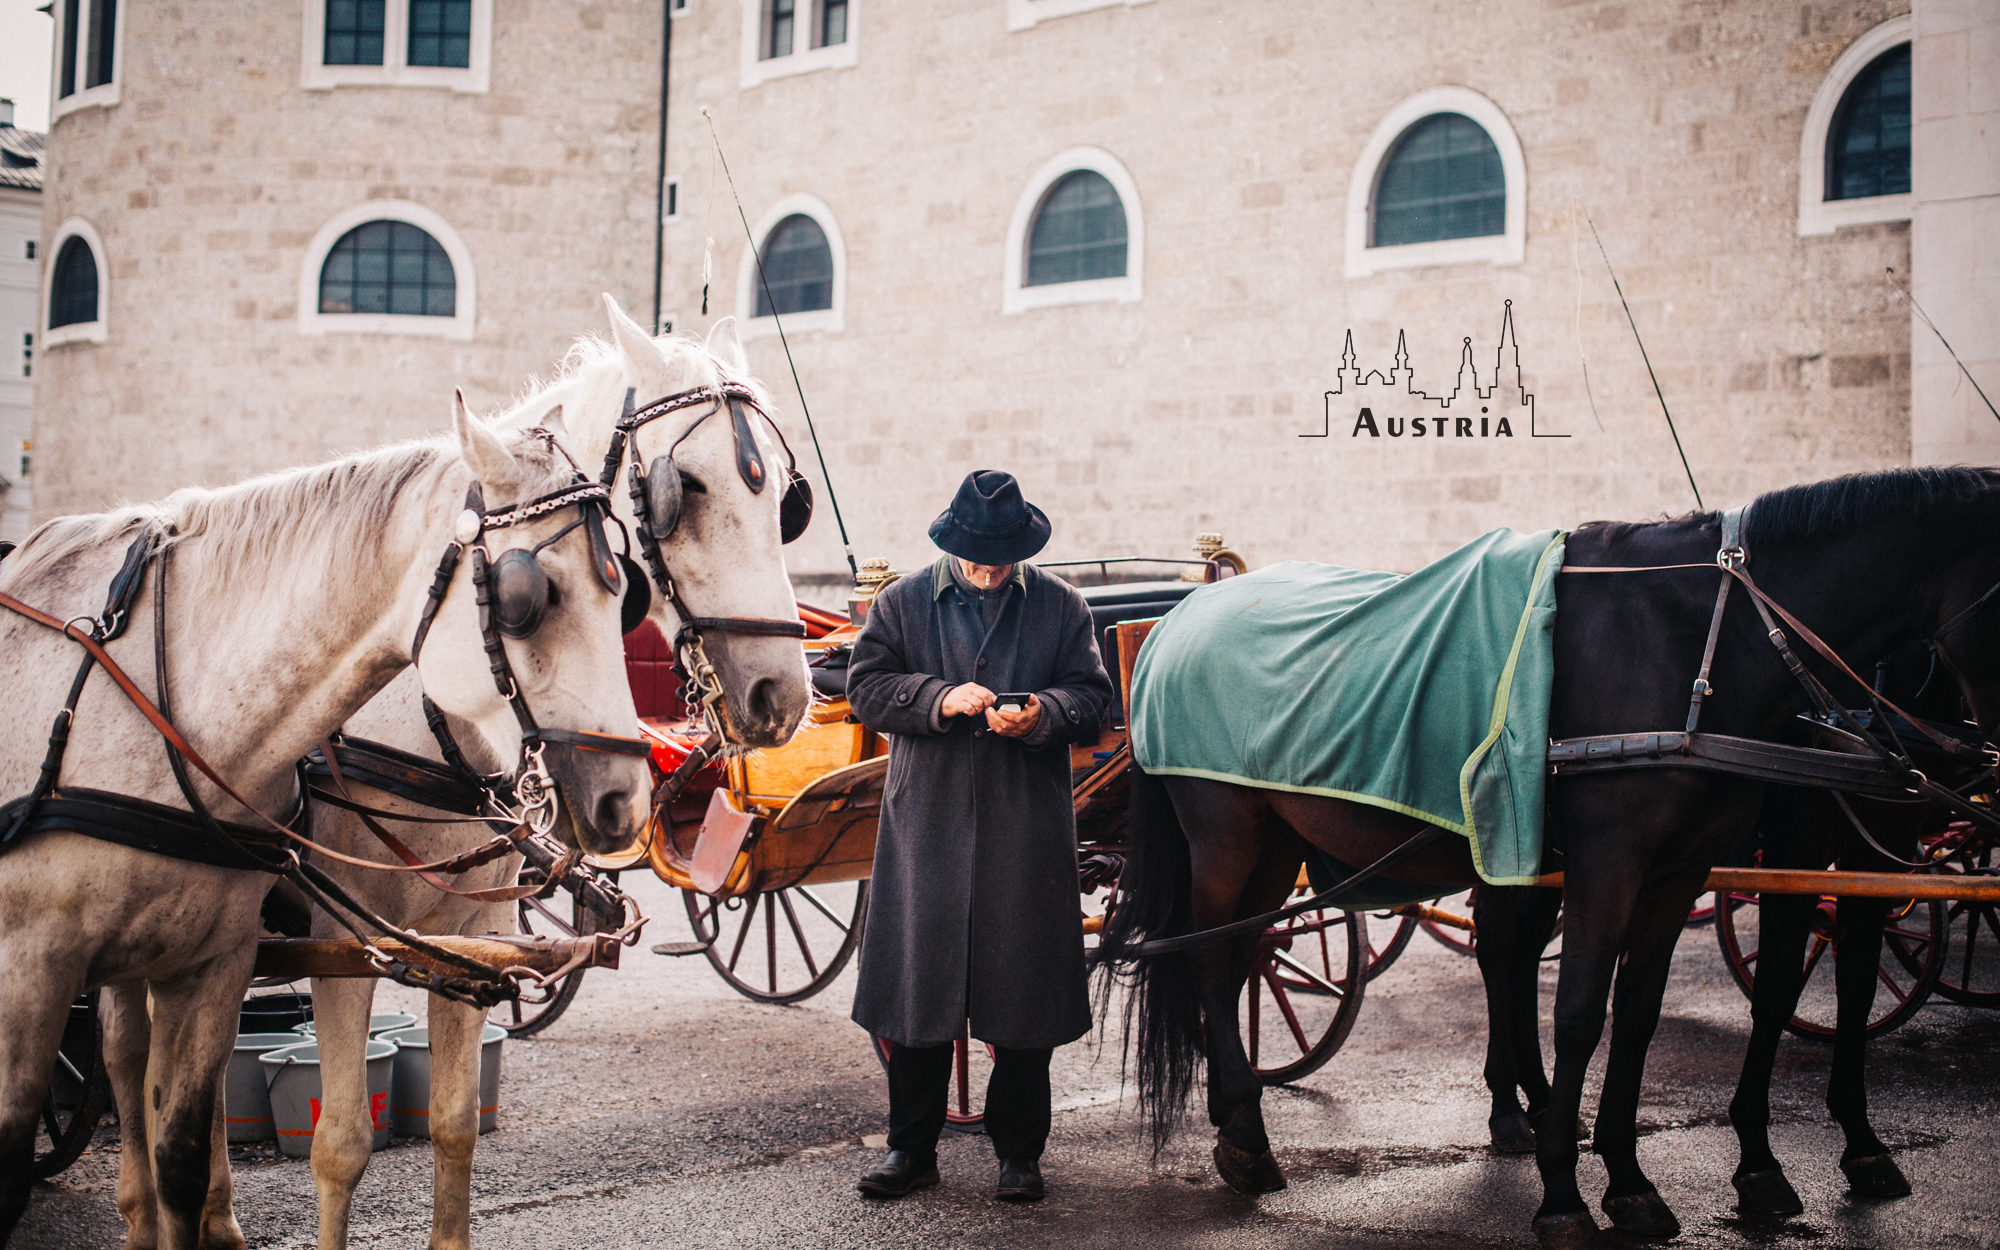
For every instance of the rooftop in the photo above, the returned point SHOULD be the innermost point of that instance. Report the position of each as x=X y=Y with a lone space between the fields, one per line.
x=21 y=158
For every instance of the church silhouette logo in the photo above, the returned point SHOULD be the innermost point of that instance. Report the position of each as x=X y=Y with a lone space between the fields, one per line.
x=1389 y=405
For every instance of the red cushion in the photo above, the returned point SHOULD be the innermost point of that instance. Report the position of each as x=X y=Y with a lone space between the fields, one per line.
x=649 y=666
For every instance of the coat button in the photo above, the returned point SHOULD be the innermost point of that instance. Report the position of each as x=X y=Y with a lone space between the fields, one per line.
x=903 y=698
x=982 y=662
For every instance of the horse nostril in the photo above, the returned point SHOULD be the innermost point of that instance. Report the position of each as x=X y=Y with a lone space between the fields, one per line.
x=761 y=700
x=613 y=815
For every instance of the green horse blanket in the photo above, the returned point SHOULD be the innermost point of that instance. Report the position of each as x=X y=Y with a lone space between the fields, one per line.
x=1427 y=694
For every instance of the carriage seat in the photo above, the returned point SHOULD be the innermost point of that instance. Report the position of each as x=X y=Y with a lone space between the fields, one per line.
x=1127 y=601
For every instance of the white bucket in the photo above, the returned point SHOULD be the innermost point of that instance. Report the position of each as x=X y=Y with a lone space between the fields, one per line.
x=379 y=1023
x=246 y=1097
x=293 y=1078
x=410 y=1090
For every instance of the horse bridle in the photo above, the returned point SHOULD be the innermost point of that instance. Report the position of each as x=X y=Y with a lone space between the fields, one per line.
x=656 y=505
x=512 y=593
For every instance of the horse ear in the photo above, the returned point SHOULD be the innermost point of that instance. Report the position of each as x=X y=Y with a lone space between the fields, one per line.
x=484 y=453
x=553 y=422
x=726 y=346
x=658 y=373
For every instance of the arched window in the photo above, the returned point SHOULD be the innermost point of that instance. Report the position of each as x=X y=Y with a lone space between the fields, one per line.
x=1079 y=232
x=388 y=267
x=1868 y=146
x=73 y=287
x=797 y=269
x=1442 y=181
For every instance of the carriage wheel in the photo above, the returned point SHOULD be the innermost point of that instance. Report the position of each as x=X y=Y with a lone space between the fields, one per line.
x=1381 y=955
x=1912 y=957
x=1971 y=972
x=545 y=917
x=79 y=1092
x=959 y=1117
x=781 y=946
x=1305 y=992
x=1461 y=940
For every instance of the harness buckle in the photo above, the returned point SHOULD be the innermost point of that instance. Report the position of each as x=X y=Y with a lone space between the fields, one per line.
x=1730 y=558
x=535 y=791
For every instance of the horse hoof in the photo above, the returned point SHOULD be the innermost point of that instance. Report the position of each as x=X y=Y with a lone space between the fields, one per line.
x=1574 y=1230
x=1875 y=1176
x=1247 y=1173
x=1512 y=1134
x=1642 y=1215
x=1766 y=1195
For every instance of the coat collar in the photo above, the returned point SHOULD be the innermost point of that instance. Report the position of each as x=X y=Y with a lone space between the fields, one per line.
x=941 y=579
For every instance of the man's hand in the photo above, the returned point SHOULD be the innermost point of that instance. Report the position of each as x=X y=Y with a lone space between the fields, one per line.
x=1013 y=724
x=967 y=700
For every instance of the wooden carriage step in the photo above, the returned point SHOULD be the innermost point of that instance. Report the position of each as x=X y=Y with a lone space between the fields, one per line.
x=678 y=949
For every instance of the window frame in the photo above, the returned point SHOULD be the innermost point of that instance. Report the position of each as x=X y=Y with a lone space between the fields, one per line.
x=1019 y=298
x=821 y=320
x=1817 y=214
x=104 y=95
x=395 y=71
x=756 y=68
x=458 y=327
x=1509 y=247
x=77 y=331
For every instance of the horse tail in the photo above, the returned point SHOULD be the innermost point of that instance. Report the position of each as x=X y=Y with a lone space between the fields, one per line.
x=1155 y=900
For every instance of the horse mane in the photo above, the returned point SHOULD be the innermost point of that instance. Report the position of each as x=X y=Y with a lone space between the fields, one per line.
x=592 y=362
x=1842 y=504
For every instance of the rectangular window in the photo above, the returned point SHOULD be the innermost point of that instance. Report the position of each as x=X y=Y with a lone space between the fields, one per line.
x=103 y=46
x=441 y=33
x=674 y=198
x=784 y=13
x=832 y=22
x=354 y=32
x=30 y=248
x=27 y=355
x=72 y=17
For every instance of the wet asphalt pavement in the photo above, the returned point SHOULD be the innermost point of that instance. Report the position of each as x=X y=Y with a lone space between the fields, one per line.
x=665 y=1110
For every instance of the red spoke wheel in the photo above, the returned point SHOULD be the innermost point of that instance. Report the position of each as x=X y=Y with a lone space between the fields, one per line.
x=1971 y=972
x=1401 y=927
x=959 y=1116
x=1305 y=992
x=560 y=916
x=79 y=1092
x=781 y=946
x=1912 y=957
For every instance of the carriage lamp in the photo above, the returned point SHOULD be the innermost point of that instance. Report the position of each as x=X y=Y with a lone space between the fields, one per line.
x=1208 y=548
x=874 y=577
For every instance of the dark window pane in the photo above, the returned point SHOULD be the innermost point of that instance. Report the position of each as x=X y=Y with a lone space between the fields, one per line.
x=388 y=267
x=832 y=22
x=103 y=44
x=798 y=269
x=441 y=32
x=354 y=32
x=1868 y=146
x=783 y=14
x=73 y=294
x=72 y=14
x=1442 y=181
x=1079 y=232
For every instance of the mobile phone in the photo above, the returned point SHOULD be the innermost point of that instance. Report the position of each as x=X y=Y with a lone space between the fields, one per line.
x=1014 y=702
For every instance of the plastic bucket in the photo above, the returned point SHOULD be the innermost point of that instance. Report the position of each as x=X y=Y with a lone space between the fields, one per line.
x=292 y=1075
x=410 y=1091
x=246 y=1098
x=379 y=1023
x=273 y=1013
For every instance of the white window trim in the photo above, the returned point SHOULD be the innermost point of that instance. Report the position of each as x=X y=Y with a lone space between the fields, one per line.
x=824 y=320
x=757 y=68
x=395 y=70
x=458 y=327
x=1506 y=248
x=1024 y=14
x=1016 y=298
x=102 y=96
x=1817 y=214
x=81 y=331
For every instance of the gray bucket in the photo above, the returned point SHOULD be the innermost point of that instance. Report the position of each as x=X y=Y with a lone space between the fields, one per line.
x=293 y=1077
x=246 y=1098
x=410 y=1092
x=379 y=1023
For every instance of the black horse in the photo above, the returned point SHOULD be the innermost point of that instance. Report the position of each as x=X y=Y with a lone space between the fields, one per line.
x=1868 y=561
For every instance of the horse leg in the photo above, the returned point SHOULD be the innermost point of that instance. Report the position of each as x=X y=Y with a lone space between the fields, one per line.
x=1783 y=923
x=1871 y=1170
x=128 y=1036
x=454 y=1039
x=193 y=1029
x=1514 y=923
x=345 y=1132
x=35 y=1016
x=1632 y=1201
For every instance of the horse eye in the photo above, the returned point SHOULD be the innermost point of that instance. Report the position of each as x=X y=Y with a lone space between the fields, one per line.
x=690 y=484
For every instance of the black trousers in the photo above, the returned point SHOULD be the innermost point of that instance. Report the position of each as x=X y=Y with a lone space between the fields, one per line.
x=1017 y=1100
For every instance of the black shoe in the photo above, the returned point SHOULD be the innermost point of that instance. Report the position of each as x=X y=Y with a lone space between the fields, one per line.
x=1020 y=1181
x=900 y=1173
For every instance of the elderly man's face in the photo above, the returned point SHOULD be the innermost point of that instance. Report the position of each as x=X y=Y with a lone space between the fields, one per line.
x=985 y=576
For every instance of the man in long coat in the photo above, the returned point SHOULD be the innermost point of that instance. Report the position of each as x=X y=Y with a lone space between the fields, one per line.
x=973 y=911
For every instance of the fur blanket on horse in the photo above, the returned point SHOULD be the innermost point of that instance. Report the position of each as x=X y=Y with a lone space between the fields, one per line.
x=1427 y=694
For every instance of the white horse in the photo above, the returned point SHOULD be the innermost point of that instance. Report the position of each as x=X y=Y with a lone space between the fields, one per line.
x=290 y=601
x=726 y=559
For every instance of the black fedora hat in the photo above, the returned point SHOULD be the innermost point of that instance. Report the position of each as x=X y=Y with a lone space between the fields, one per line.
x=988 y=521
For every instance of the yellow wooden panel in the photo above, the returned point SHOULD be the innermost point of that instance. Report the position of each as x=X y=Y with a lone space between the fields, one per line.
x=780 y=773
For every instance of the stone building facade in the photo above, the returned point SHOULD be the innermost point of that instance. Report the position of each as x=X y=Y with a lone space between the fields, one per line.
x=1243 y=141
x=20 y=236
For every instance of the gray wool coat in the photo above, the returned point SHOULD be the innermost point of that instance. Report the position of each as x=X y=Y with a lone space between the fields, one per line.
x=973 y=910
